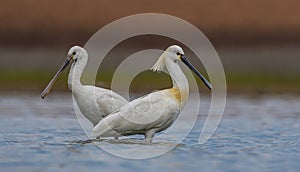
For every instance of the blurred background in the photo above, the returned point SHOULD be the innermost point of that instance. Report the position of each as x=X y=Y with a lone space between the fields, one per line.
x=258 y=42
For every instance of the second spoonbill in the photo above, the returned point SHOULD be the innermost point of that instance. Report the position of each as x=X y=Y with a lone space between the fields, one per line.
x=93 y=102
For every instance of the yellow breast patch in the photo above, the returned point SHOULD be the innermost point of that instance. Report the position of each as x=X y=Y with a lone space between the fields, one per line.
x=175 y=92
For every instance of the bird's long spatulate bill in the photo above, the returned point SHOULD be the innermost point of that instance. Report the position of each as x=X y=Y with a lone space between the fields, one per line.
x=189 y=65
x=51 y=83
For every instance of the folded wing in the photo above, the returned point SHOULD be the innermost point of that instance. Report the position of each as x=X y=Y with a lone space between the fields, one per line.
x=154 y=111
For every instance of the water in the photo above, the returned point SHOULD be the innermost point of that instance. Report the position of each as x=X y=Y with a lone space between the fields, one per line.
x=255 y=134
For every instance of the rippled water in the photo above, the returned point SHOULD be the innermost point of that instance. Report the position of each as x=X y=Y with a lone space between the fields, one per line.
x=255 y=134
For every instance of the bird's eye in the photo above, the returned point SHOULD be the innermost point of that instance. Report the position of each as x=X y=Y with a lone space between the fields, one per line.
x=74 y=53
x=178 y=53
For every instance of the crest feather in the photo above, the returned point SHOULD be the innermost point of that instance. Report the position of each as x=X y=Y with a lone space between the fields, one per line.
x=160 y=64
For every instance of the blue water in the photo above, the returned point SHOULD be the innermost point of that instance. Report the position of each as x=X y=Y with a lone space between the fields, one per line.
x=255 y=134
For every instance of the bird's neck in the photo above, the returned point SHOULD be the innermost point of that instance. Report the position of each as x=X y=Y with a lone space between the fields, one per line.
x=76 y=71
x=179 y=80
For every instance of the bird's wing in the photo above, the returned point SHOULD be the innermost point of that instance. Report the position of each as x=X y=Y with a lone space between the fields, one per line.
x=109 y=102
x=151 y=111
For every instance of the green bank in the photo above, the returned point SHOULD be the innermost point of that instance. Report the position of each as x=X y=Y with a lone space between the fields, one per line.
x=148 y=81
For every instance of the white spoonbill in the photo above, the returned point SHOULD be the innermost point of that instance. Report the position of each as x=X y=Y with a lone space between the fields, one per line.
x=93 y=102
x=156 y=111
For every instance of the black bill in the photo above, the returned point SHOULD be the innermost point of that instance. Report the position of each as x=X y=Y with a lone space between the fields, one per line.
x=189 y=65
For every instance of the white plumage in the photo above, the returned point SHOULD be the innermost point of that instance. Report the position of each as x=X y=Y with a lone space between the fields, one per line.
x=93 y=102
x=156 y=111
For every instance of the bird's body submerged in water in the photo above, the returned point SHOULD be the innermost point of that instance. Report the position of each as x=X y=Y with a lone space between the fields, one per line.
x=156 y=111
x=93 y=102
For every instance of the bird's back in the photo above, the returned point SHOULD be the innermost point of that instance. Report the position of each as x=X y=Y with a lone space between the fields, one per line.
x=96 y=103
x=156 y=111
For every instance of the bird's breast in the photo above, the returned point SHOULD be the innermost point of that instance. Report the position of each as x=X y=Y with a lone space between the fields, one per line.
x=179 y=95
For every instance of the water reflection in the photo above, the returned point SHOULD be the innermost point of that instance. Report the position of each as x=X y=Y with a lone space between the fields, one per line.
x=255 y=133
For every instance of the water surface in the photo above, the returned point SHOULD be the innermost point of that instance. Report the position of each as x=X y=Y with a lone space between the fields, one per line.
x=255 y=134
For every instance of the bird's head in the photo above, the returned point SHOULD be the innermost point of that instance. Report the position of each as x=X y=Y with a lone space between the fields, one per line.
x=176 y=54
x=75 y=55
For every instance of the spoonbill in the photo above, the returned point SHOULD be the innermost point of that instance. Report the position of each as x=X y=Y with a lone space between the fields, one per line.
x=156 y=111
x=93 y=102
